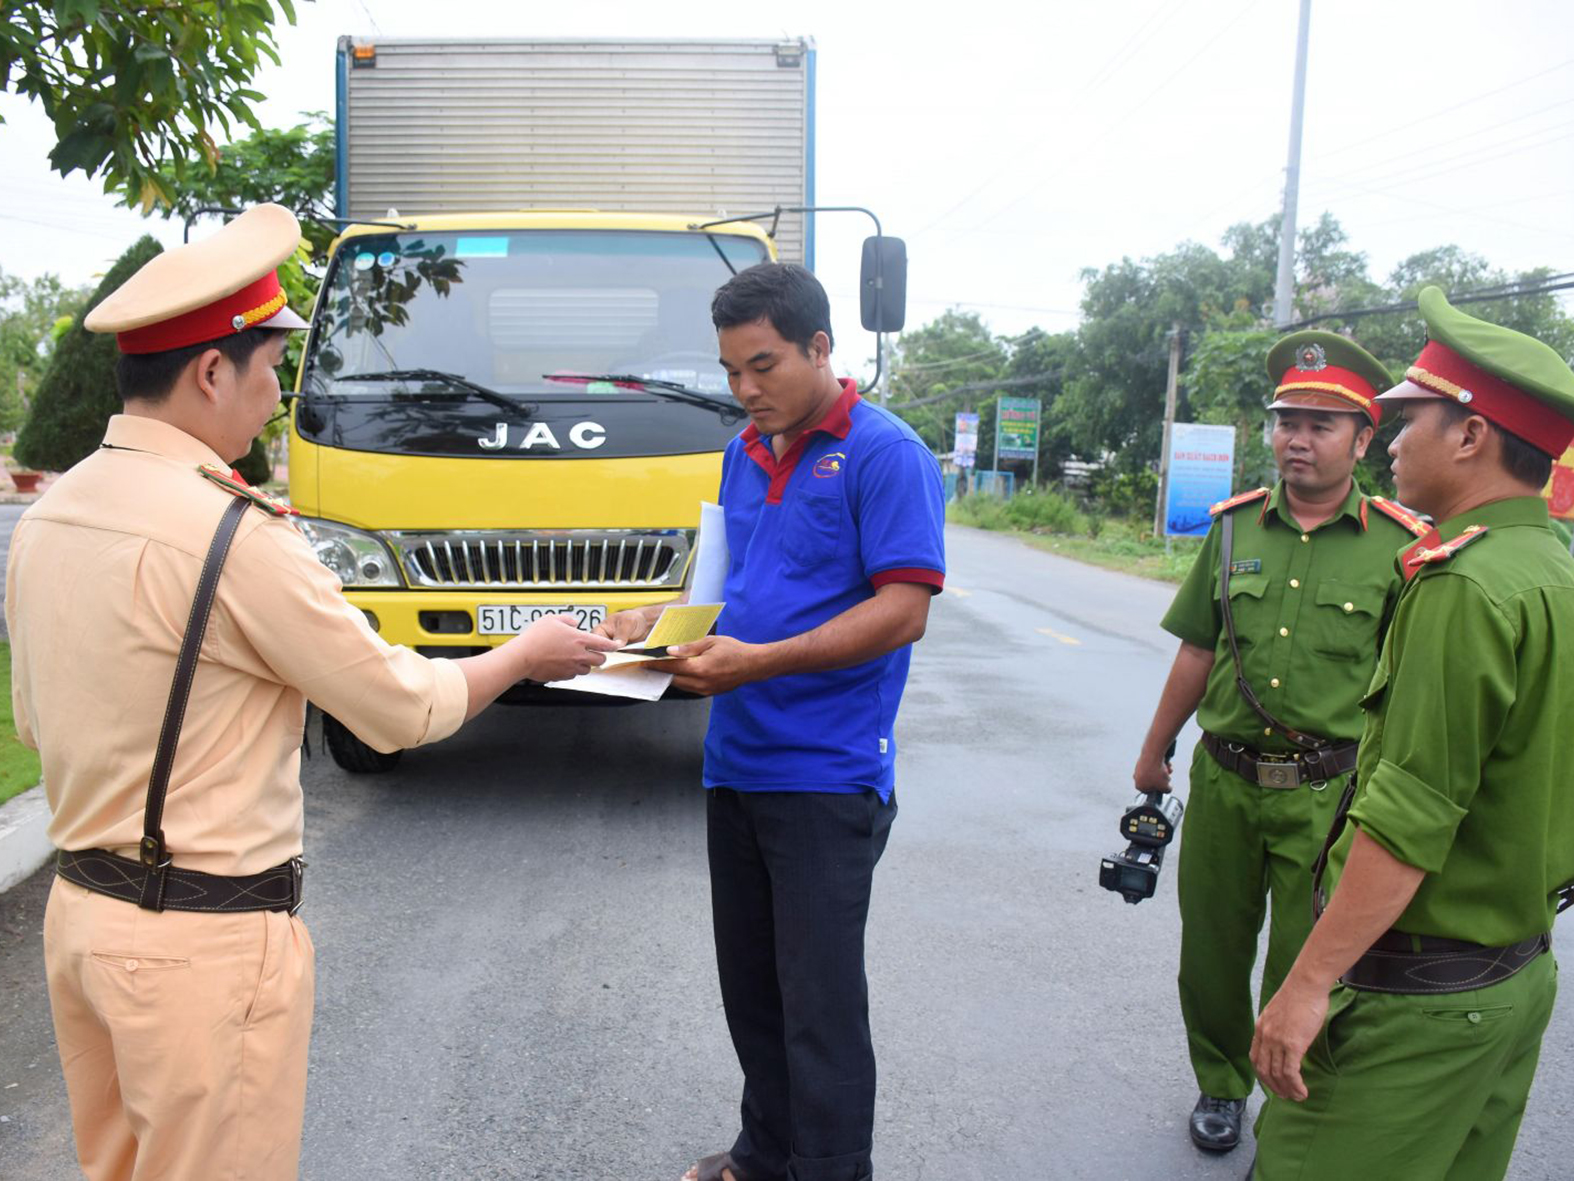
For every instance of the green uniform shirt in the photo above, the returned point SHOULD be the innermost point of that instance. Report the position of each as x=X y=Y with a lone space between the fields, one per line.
x=1465 y=766
x=1309 y=611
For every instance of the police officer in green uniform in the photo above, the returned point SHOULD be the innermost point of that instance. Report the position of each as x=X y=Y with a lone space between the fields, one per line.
x=1445 y=872
x=1311 y=583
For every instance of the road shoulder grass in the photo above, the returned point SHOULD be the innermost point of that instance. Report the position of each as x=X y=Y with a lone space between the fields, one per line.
x=1052 y=522
x=19 y=767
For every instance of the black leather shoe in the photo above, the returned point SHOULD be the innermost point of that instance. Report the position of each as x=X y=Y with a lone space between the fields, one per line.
x=1216 y=1123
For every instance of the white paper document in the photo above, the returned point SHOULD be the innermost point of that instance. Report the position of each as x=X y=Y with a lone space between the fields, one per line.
x=628 y=680
x=710 y=556
x=624 y=674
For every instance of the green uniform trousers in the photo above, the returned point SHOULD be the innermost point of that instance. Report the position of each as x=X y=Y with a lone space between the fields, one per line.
x=1239 y=842
x=1413 y=1088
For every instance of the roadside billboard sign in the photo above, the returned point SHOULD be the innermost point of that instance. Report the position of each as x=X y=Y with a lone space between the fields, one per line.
x=1016 y=429
x=1201 y=471
x=966 y=452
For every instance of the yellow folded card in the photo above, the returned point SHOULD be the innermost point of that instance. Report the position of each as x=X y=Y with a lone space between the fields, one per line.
x=683 y=625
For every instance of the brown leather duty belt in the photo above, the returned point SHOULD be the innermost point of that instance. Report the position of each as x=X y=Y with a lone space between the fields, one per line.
x=103 y=872
x=1427 y=964
x=1281 y=771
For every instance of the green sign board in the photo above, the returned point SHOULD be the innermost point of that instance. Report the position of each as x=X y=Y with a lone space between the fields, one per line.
x=1016 y=430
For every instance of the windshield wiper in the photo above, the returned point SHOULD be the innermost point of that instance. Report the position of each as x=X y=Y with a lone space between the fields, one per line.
x=452 y=380
x=729 y=410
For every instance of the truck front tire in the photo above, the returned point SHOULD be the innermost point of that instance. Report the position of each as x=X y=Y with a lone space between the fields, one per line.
x=351 y=753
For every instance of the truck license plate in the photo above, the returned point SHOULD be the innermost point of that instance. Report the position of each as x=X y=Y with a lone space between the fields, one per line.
x=509 y=619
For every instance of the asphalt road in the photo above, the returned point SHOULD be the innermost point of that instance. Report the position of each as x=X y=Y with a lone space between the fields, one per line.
x=515 y=977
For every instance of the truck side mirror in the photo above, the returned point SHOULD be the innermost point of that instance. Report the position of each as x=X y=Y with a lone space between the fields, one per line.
x=882 y=284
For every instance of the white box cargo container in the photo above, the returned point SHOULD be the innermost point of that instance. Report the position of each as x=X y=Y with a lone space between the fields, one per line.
x=700 y=128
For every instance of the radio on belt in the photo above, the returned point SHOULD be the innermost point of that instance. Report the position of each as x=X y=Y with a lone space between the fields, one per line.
x=1149 y=825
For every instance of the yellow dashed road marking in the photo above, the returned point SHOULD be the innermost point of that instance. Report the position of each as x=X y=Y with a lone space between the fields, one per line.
x=1055 y=635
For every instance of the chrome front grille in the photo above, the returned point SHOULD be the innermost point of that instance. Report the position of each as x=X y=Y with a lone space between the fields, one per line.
x=537 y=559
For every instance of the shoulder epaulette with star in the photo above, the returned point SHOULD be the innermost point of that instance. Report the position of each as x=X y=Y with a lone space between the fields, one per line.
x=233 y=484
x=1398 y=512
x=1235 y=502
x=1430 y=550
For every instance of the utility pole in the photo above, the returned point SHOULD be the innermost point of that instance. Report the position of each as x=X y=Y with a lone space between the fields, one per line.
x=1169 y=423
x=1284 y=287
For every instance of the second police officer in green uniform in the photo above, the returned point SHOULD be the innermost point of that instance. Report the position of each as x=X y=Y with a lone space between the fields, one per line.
x=1311 y=583
x=1450 y=855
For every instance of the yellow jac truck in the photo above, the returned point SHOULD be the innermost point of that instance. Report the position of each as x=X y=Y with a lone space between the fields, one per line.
x=509 y=402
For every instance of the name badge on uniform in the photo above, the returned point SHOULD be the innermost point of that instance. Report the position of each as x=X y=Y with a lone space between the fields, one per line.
x=1246 y=566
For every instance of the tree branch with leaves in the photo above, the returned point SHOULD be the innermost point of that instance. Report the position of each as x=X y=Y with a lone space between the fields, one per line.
x=138 y=91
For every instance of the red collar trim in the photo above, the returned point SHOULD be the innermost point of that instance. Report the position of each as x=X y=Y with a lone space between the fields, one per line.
x=838 y=421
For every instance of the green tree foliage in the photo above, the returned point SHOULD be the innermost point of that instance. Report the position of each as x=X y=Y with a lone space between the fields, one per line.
x=77 y=394
x=1103 y=385
x=293 y=167
x=30 y=315
x=947 y=365
x=1226 y=380
x=132 y=86
x=1114 y=398
x=255 y=467
x=954 y=363
x=1039 y=363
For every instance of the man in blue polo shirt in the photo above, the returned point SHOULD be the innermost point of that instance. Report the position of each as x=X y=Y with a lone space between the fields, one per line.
x=835 y=519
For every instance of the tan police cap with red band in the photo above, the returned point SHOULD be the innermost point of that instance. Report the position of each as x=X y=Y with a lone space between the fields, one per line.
x=1512 y=380
x=224 y=284
x=1318 y=370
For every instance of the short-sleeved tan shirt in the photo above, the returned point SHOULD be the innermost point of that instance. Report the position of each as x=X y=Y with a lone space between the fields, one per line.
x=99 y=583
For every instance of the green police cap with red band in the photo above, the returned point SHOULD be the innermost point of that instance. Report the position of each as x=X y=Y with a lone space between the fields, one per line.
x=1318 y=370
x=1512 y=380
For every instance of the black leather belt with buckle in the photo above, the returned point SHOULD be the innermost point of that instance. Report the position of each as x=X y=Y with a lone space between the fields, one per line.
x=1426 y=964
x=103 y=872
x=1281 y=772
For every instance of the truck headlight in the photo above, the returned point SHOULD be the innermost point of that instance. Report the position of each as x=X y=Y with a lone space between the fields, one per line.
x=357 y=557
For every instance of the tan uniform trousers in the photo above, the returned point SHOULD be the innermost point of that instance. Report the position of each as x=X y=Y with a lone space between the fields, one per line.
x=183 y=1037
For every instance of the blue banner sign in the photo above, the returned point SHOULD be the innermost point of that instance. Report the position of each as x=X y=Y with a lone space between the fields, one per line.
x=1202 y=469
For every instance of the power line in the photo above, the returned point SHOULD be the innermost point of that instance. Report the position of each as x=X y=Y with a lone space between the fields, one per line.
x=1311 y=170
x=974 y=386
x=1010 y=165
x=1447 y=110
x=1128 y=113
x=1478 y=295
x=1470 y=158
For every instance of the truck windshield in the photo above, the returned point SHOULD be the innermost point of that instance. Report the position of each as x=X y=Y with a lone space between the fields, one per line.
x=503 y=308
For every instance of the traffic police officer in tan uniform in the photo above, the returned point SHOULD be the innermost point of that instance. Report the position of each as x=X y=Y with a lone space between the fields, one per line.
x=1309 y=567
x=180 y=977
x=1453 y=847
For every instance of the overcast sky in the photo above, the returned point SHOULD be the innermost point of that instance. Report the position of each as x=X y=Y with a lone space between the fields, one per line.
x=1013 y=144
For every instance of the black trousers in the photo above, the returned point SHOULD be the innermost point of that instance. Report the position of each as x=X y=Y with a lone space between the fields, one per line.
x=790 y=880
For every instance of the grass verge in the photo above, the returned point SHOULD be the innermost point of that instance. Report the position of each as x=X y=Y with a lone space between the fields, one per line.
x=18 y=765
x=1050 y=521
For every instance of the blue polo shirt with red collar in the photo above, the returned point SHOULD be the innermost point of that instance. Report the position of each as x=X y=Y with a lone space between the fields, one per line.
x=855 y=503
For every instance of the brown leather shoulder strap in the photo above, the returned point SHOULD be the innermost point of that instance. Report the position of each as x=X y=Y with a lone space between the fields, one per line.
x=152 y=854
